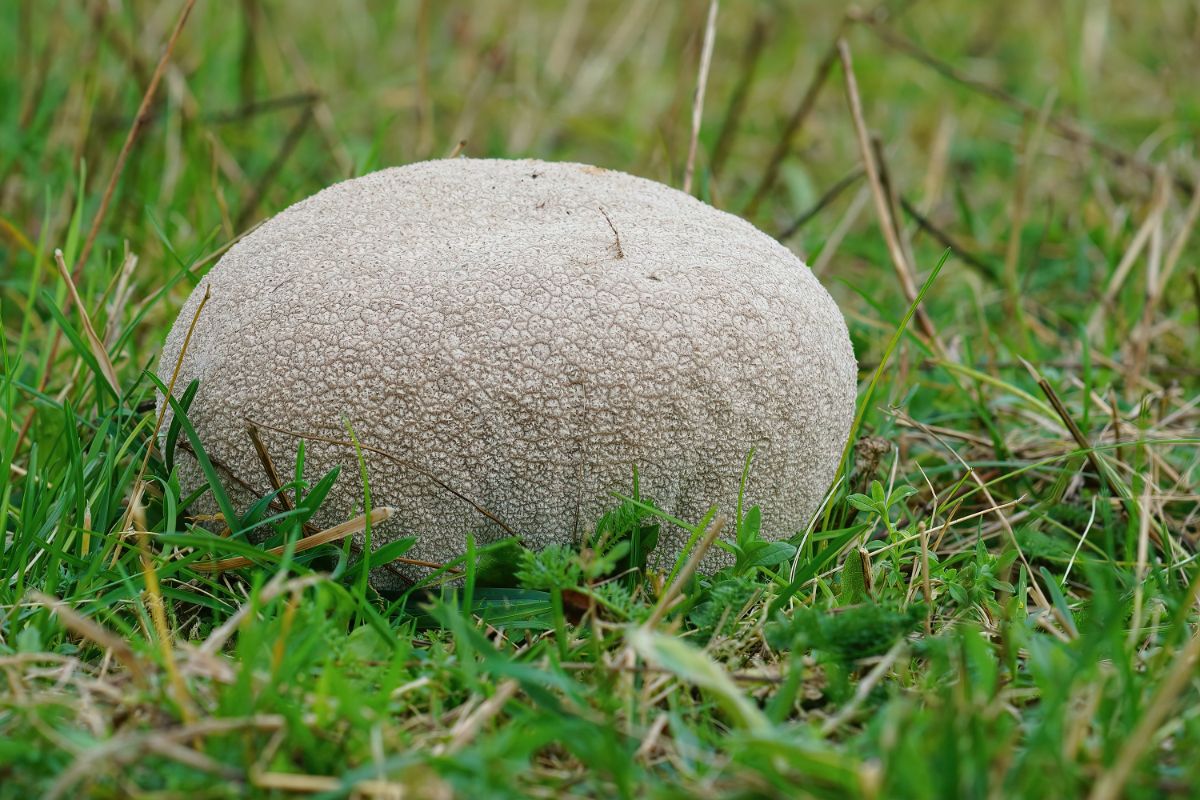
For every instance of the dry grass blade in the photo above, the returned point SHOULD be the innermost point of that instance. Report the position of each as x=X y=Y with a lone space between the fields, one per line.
x=277 y=586
x=296 y=783
x=255 y=196
x=337 y=532
x=831 y=194
x=1102 y=470
x=1180 y=241
x=97 y=347
x=468 y=727
x=143 y=114
x=268 y=465
x=882 y=205
x=945 y=240
x=1125 y=266
x=689 y=569
x=158 y=611
x=120 y=300
x=710 y=36
x=86 y=628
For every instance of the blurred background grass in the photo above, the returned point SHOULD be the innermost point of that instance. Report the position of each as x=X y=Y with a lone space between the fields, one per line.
x=265 y=103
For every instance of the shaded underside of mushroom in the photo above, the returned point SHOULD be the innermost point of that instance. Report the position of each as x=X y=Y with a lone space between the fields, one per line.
x=515 y=337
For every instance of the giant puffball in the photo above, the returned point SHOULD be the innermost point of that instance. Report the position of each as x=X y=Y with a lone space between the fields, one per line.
x=515 y=338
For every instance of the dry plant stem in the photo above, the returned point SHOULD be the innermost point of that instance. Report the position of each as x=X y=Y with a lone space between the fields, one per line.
x=282 y=501
x=468 y=727
x=86 y=628
x=710 y=35
x=807 y=103
x=889 y=194
x=1143 y=554
x=1073 y=428
x=1180 y=241
x=143 y=114
x=269 y=467
x=1125 y=266
x=689 y=569
x=926 y=584
x=251 y=202
x=378 y=516
x=1038 y=595
x=277 y=586
x=945 y=240
x=882 y=206
x=97 y=347
x=158 y=614
x=125 y=748
x=831 y=194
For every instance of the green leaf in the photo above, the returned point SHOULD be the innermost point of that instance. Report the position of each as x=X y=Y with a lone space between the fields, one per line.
x=768 y=554
x=856 y=578
x=862 y=503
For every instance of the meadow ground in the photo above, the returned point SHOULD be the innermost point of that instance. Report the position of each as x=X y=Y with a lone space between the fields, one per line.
x=1000 y=598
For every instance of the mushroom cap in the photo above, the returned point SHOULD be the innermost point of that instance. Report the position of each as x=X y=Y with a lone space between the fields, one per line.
x=517 y=336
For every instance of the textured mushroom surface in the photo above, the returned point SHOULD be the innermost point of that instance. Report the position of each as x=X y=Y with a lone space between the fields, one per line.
x=519 y=334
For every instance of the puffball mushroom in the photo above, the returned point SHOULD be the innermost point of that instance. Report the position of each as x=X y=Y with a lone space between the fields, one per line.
x=508 y=340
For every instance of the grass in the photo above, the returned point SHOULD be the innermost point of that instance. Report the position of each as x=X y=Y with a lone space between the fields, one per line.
x=999 y=599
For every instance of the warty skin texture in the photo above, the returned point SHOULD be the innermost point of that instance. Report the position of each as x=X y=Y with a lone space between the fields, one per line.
x=524 y=332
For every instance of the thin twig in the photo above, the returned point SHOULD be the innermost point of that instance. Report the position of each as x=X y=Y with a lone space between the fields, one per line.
x=710 y=35
x=294 y=134
x=616 y=236
x=737 y=101
x=831 y=194
x=807 y=103
x=966 y=256
x=882 y=206
x=86 y=628
x=143 y=114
